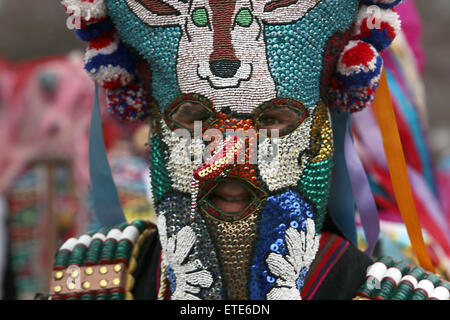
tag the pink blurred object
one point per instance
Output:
(45, 114)
(412, 27)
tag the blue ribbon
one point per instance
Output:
(341, 201)
(107, 207)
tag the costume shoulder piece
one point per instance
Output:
(100, 265)
(387, 279)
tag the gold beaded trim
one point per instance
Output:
(133, 263)
(162, 281)
(321, 135)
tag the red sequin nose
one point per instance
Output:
(235, 154)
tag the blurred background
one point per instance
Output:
(40, 191)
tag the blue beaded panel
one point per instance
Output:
(295, 51)
(281, 212)
(172, 279)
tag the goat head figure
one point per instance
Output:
(222, 51)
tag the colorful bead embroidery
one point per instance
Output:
(100, 265)
(175, 210)
(186, 277)
(156, 34)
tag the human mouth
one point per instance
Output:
(230, 205)
(230, 196)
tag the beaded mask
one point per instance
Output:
(231, 65)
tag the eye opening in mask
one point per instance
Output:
(283, 114)
(188, 108)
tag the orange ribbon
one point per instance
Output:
(384, 111)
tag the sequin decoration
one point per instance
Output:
(237, 55)
(289, 270)
(161, 182)
(287, 166)
(281, 213)
(235, 242)
(314, 183)
(217, 49)
(321, 148)
(176, 210)
(179, 164)
(188, 276)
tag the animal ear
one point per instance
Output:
(159, 12)
(283, 11)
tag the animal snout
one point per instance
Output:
(224, 68)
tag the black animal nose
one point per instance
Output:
(224, 68)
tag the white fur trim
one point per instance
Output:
(109, 49)
(111, 73)
(86, 10)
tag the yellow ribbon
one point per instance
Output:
(384, 111)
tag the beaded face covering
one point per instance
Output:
(237, 61)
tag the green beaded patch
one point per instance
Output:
(161, 182)
(314, 185)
